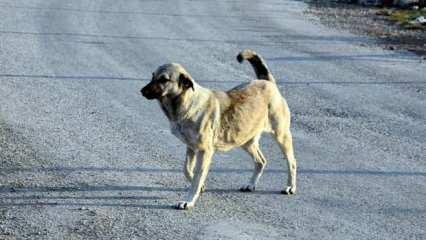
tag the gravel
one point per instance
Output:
(369, 21)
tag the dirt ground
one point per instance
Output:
(369, 21)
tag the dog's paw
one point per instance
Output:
(182, 205)
(248, 188)
(289, 191)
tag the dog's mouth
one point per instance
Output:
(149, 97)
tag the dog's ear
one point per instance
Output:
(186, 81)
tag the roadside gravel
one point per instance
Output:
(369, 21)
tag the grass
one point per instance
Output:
(404, 17)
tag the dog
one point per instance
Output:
(208, 121)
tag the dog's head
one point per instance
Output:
(169, 80)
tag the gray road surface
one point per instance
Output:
(83, 156)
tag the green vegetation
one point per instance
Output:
(407, 17)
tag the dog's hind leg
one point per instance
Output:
(252, 148)
(285, 141)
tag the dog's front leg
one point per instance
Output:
(202, 165)
(188, 169)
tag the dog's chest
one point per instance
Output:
(185, 134)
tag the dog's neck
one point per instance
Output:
(184, 106)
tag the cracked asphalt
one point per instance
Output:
(84, 156)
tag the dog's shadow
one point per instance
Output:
(131, 196)
(83, 196)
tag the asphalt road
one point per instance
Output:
(84, 156)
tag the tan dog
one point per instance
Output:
(208, 121)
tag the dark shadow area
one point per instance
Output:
(44, 189)
(261, 192)
(44, 195)
(53, 204)
(107, 169)
(85, 188)
(214, 170)
(282, 82)
(36, 197)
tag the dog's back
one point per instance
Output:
(246, 109)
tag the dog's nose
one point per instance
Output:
(143, 92)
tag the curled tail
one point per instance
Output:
(257, 62)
